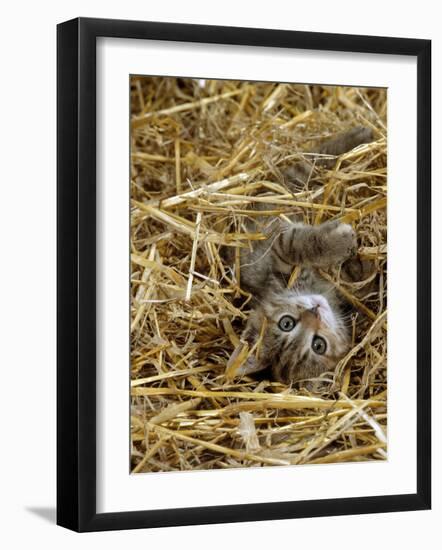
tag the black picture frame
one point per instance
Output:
(76, 274)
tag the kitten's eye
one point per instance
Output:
(319, 345)
(287, 323)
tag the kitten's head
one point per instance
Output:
(301, 337)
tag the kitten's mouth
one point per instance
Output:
(316, 310)
(320, 302)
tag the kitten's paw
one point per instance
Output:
(341, 242)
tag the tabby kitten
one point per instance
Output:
(298, 333)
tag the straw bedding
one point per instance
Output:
(203, 154)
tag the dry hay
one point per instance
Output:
(203, 154)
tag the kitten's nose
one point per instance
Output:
(310, 317)
(315, 311)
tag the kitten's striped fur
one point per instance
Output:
(312, 305)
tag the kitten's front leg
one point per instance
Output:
(327, 244)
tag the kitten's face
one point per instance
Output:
(302, 339)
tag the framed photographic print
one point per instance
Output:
(243, 274)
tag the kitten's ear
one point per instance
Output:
(242, 361)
